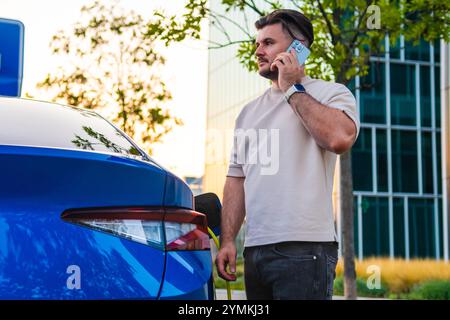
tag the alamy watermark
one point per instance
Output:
(374, 280)
(74, 280)
(374, 17)
(248, 147)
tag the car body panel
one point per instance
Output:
(39, 246)
(77, 178)
(177, 193)
(38, 252)
(187, 275)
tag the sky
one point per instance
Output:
(185, 74)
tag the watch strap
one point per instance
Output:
(291, 91)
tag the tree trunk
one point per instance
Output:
(347, 212)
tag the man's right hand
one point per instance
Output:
(226, 257)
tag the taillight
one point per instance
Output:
(169, 229)
(186, 230)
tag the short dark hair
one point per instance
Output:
(293, 21)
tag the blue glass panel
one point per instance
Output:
(404, 161)
(362, 161)
(403, 94)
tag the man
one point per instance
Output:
(290, 240)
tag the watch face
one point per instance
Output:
(299, 87)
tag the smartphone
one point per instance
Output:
(302, 51)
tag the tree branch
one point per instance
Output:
(295, 2)
(328, 22)
(253, 7)
(245, 19)
(358, 31)
(221, 28)
(223, 45)
(215, 15)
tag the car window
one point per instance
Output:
(35, 123)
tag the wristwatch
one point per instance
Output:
(295, 88)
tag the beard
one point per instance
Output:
(268, 74)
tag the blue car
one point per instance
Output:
(86, 214)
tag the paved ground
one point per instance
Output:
(221, 294)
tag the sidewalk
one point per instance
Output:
(221, 294)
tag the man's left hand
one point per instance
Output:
(290, 71)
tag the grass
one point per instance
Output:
(234, 285)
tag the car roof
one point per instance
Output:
(15, 102)
(33, 106)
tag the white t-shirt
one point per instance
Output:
(288, 177)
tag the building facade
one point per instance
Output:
(397, 158)
(399, 169)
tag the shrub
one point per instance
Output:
(361, 287)
(431, 290)
(338, 287)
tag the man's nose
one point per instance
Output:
(259, 52)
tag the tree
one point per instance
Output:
(347, 34)
(113, 67)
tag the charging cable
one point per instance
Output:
(217, 243)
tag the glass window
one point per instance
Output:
(373, 95)
(351, 85)
(421, 228)
(35, 123)
(437, 50)
(425, 96)
(355, 225)
(382, 173)
(399, 228)
(419, 51)
(437, 90)
(375, 220)
(427, 163)
(438, 162)
(362, 161)
(403, 95)
(404, 161)
(394, 49)
(440, 224)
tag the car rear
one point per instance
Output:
(86, 214)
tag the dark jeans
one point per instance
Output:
(290, 271)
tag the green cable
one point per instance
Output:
(216, 241)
